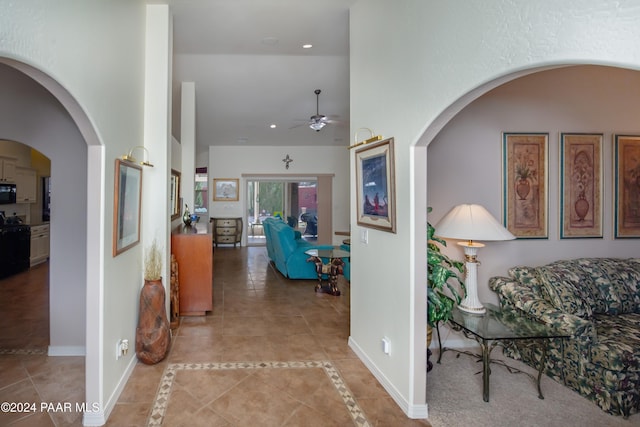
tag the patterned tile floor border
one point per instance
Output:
(164, 391)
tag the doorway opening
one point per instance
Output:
(293, 201)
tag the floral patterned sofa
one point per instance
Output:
(595, 300)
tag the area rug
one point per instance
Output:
(164, 394)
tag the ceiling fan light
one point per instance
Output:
(317, 125)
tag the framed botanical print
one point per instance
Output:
(626, 158)
(375, 186)
(524, 180)
(580, 185)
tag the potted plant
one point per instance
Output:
(445, 287)
(153, 334)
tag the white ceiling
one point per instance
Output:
(250, 70)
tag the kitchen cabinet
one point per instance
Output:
(25, 185)
(7, 169)
(39, 244)
(193, 249)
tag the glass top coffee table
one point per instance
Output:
(332, 267)
(497, 327)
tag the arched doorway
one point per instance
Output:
(556, 98)
(38, 110)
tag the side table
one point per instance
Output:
(497, 327)
(332, 268)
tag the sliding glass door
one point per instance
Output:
(293, 201)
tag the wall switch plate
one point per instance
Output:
(386, 345)
(364, 236)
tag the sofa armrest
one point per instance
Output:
(525, 300)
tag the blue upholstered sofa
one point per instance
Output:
(286, 249)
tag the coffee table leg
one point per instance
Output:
(486, 369)
(543, 360)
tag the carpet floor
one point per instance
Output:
(454, 396)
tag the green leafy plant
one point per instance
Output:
(153, 263)
(445, 288)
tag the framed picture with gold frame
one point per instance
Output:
(375, 186)
(225, 189)
(580, 185)
(126, 206)
(626, 159)
(524, 181)
(175, 194)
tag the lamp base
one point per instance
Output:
(472, 310)
(471, 303)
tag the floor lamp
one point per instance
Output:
(470, 223)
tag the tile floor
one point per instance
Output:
(214, 374)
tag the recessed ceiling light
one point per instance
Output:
(307, 46)
(273, 126)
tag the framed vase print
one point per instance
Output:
(580, 185)
(626, 158)
(126, 206)
(524, 181)
(375, 186)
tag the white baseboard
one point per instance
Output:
(100, 418)
(411, 410)
(67, 350)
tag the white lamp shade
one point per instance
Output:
(471, 222)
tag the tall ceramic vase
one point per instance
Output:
(153, 335)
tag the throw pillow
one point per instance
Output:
(559, 285)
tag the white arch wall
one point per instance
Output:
(410, 62)
(96, 69)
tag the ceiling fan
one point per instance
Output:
(317, 121)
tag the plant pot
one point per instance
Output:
(153, 335)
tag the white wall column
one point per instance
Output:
(156, 218)
(188, 141)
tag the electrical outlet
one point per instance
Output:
(122, 348)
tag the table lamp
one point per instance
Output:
(470, 223)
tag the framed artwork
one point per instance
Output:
(580, 185)
(175, 194)
(375, 186)
(626, 158)
(524, 180)
(126, 206)
(225, 189)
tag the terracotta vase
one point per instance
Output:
(153, 335)
(522, 189)
(582, 208)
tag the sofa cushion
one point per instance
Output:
(618, 346)
(617, 281)
(561, 285)
(527, 276)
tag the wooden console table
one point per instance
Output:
(192, 248)
(227, 230)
